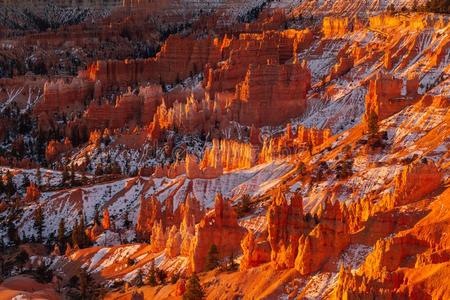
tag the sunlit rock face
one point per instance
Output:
(308, 142)
(414, 182)
(272, 87)
(388, 95)
(285, 226)
(219, 228)
(326, 240)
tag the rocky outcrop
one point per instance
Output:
(254, 49)
(335, 27)
(220, 228)
(55, 148)
(158, 237)
(271, 87)
(65, 96)
(343, 66)
(415, 181)
(228, 155)
(179, 58)
(95, 231)
(379, 276)
(312, 136)
(327, 240)
(191, 213)
(289, 143)
(129, 109)
(389, 254)
(388, 95)
(173, 244)
(106, 221)
(32, 193)
(285, 225)
(194, 116)
(149, 214)
(224, 155)
(256, 251)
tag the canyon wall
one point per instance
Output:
(65, 95)
(268, 88)
(179, 58)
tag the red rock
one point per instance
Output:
(106, 222)
(56, 251)
(179, 58)
(219, 228)
(68, 250)
(343, 66)
(158, 237)
(388, 95)
(181, 287)
(285, 226)
(327, 240)
(33, 193)
(335, 27)
(95, 231)
(149, 214)
(414, 182)
(255, 251)
(173, 244)
(258, 49)
(267, 88)
(63, 96)
(54, 148)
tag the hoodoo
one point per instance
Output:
(238, 149)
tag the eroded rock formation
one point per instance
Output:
(285, 226)
(256, 251)
(65, 96)
(326, 240)
(268, 88)
(414, 182)
(149, 214)
(388, 95)
(220, 228)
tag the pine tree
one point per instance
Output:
(62, 234)
(25, 181)
(138, 279)
(38, 176)
(194, 290)
(84, 283)
(39, 222)
(232, 266)
(22, 258)
(2, 185)
(24, 238)
(372, 124)
(84, 179)
(244, 206)
(96, 216)
(13, 235)
(9, 188)
(99, 170)
(212, 260)
(126, 221)
(162, 275)
(152, 275)
(75, 234)
(83, 240)
(65, 175)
